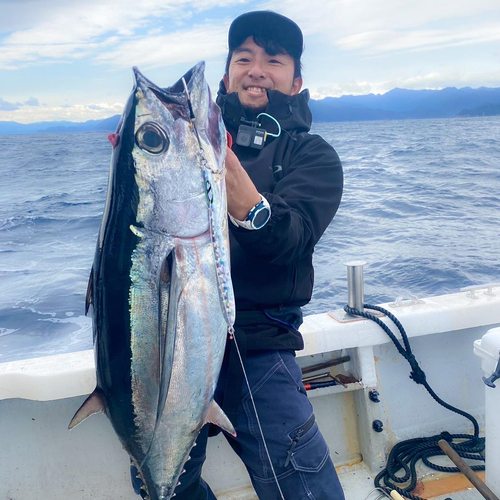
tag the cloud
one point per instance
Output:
(390, 26)
(16, 56)
(55, 30)
(82, 27)
(75, 112)
(386, 41)
(353, 88)
(32, 101)
(200, 42)
(338, 18)
(442, 79)
(8, 106)
(352, 47)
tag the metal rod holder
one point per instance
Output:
(355, 284)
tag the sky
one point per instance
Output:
(72, 60)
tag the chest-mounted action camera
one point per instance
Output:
(253, 135)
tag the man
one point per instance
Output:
(283, 187)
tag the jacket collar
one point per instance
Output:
(292, 112)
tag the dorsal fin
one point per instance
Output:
(93, 404)
(216, 416)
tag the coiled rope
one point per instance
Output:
(402, 460)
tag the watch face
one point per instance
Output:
(261, 217)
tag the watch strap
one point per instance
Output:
(248, 223)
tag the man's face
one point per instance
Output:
(252, 71)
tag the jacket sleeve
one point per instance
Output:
(303, 204)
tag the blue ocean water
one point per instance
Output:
(421, 206)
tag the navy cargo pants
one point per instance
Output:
(298, 451)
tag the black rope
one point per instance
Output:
(402, 460)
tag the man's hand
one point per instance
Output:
(242, 195)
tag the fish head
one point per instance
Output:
(178, 133)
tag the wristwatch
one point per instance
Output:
(257, 217)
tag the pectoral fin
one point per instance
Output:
(216, 416)
(166, 337)
(93, 404)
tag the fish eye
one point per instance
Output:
(152, 139)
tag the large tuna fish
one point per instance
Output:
(160, 285)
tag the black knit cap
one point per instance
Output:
(270, 26)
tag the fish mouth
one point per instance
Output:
(175, 94)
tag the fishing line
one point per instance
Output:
(231, 328)
(233, 337)
(191, 112)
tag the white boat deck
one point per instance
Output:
(358, 485)
(39, 396)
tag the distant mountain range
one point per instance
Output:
(106, 125)
(397, 104)
(483, 110)
(400, 104)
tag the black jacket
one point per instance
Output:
(300, 175)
